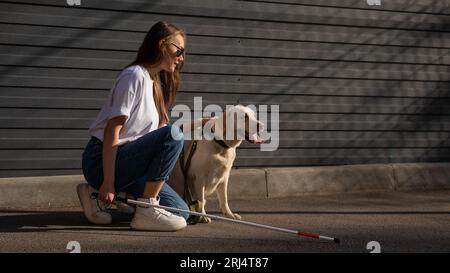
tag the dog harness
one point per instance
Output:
(194, 205)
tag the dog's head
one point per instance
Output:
(239, 123)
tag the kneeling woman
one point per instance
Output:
(133, 149)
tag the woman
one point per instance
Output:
(133, 149)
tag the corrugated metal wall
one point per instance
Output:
(355, 83)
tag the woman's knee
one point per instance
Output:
(175, 136)
(175, 132)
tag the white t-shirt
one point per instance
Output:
(131, 96)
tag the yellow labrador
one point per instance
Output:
(210, 164)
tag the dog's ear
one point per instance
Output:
(230, 118)
(230, 113)
(220, 124)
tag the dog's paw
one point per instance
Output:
(233, 216)
(204, 219)
(198, 219)
(237, 216)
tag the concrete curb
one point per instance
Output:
(424, 176)
(27, 193)
(321, 180)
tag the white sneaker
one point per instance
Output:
(92, 208)
(155, 219)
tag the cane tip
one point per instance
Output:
(337, 240)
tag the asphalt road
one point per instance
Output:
(398, 221)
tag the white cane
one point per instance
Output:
(297, 232)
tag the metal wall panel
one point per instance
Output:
(355, 83)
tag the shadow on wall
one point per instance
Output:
(41, 53)
(432, 113)
(80, 33)
(421, 119)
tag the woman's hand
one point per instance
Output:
(196, 123)
(205, 120)
(106, 193)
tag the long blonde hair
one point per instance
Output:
(152, 51)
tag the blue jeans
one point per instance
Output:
(149, 158)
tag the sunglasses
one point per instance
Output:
(180, 51)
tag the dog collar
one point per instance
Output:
(222, 143)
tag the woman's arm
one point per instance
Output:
(110, 143)
(189, 126)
